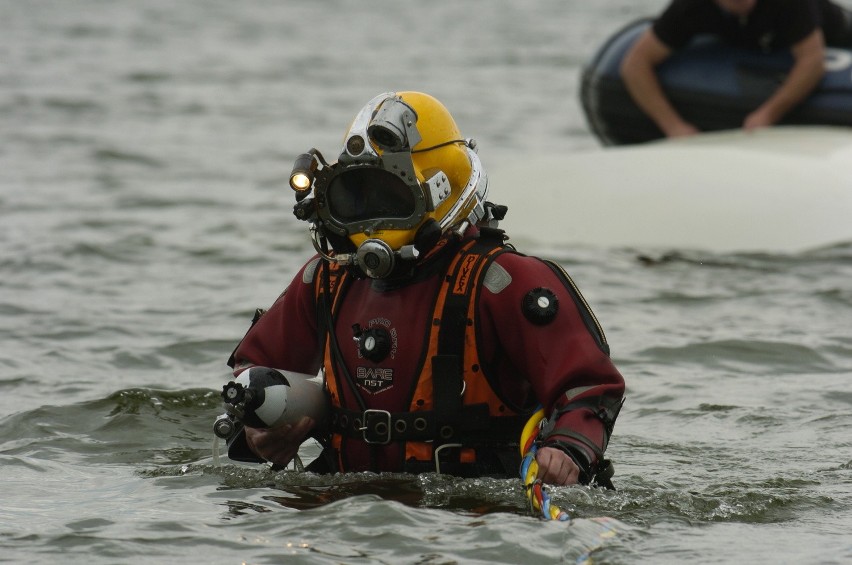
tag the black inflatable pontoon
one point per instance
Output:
(711, 84)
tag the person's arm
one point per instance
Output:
(808, 69)
(562, 354)
(639, 72)
(284, 337)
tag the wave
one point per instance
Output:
(131, 426)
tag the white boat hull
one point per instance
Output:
(781, 189)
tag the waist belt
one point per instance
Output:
(473, 424)
(493, 461)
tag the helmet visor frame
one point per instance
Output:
(367, 198)
(369, 194)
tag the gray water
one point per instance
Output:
(144, 149)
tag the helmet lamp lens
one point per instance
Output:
(302, 175)
(300, 182)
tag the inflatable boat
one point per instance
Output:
(781, 190)
(711, 84)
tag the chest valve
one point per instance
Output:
(373, 344)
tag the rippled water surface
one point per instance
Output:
(144, 148)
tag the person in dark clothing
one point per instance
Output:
(805, 27)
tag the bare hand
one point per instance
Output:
(279, 445)
(757, 119)
(681, 129)
(556, 467)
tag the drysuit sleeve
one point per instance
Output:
(543, 332)
(285, 336)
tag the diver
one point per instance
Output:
(434, 339)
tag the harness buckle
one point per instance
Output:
(437, 454)
(377, 426)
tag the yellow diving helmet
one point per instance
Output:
(403, 179)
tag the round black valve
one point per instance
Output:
(540, 306)
(233, 393)
(374, 343)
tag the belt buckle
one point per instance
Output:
(377, 432)
(437, 454)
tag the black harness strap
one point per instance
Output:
(448, 363)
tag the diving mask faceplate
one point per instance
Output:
(374, 201)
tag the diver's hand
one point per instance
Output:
(556, 467)
(279, 445)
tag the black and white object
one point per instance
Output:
(261, 397)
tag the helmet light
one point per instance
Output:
(302, 175)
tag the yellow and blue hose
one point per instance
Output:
(536, 492)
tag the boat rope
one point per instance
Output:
(535, 490)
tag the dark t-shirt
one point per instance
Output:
(772, 25)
